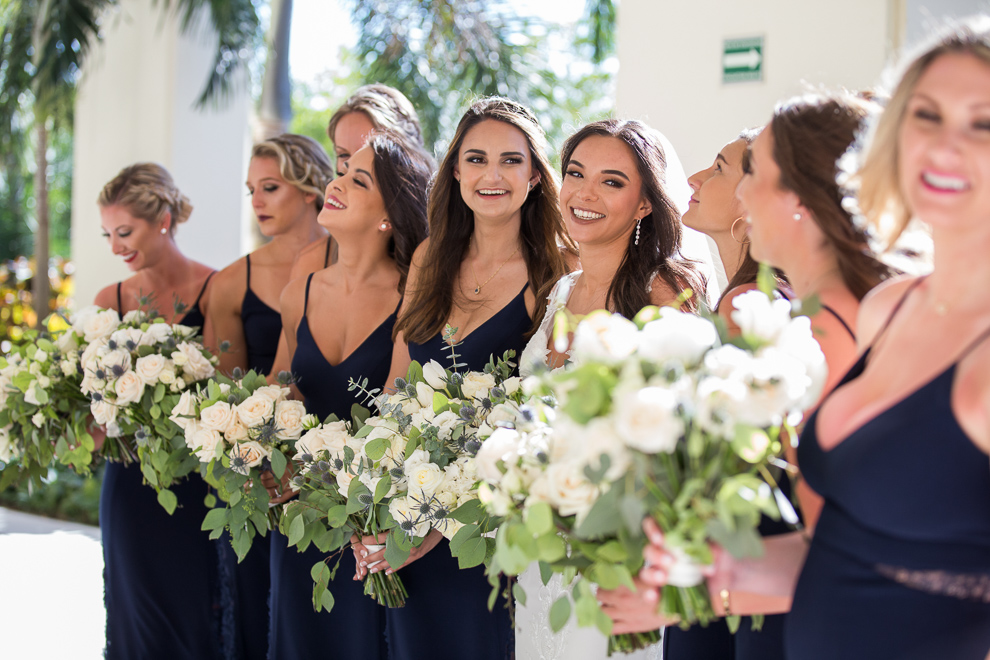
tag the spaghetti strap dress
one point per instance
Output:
(355, 628)
(161, 585)
(446, 616)
(715, 642)
(899, 565)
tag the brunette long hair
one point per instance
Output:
(658, 252)
(810, 133)
(403, 171)
(541, 231)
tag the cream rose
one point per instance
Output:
(424, 478)
(191, 359)
(255, 410)
(289, 419)
(150, 367)
(135, 316)
(246, 455)
(501, 447)
(565, 487)
(477, 385)
(128, 388)
(156, 333)
(274, 393)
(126, 336)
(103, 411)
(410, 521)
(217, 417)
(647, 420)
(99, 325)
(205, 442)
(91, 354)
(183, 410)
(235, 431)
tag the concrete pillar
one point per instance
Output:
(135, 103)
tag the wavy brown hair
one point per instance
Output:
(659, 249)
(810, 133)
(541, 230)
(402, 171)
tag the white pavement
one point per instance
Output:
(51, 589)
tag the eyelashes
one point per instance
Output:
(747, 164)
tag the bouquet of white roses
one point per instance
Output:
(663, 416)
(239, 429)
(134, 375)
(43, 414)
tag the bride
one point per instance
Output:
(617, 209)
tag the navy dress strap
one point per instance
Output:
(841, 320)
(262, 328)
(202, 289)
(309, 280)
(247, 258)
(326, 256)
(120, 306)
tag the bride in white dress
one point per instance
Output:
(626, 222)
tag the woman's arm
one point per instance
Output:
(400, 349)
(227, 290)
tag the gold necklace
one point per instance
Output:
(478, 287)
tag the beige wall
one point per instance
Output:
(670, 52)
(135, 103)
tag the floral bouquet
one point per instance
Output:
(135, 375)
(239, 429)
(43, 413)
(663, 416)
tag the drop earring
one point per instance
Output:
(638, 223)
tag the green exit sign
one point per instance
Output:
(742, 59)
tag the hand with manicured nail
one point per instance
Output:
(633, 611)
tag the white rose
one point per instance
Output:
(103, 411)
(566, 488)
(38, 419)
(167, 376)
(44, 382)
(186, 405)
(255, 410)
(126, 338)
(676, 336)
(647, 420)
(33, 394)
(435, 375)
(417, 457)
(289, 419)
(150, 367)
(411, 522)
(99, 325)
(135, 317)
(128, 388)
(477, 385)
(273, 393)
(119, 359)
(68, 366)
(7, 449)
(344, 479)
(759, 317)
(512, 385)
(217, 417)
(445, 422)
(156, 333)
(191, 359)
(424, 478)
(235, 431)
(605, 337)
(601, 439)
(67, 342)
(502, 446)
(246, 455)
(40, 355)
(494, 499)
(205, 442)
(91, 354)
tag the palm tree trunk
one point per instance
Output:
(275, 111)
(40, 284)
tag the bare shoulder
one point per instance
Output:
(107, 297)
(231, 279)
(312, 258)
(419, 256)
(725, 306)
(571, 258)
(878, 305)
(293, 298)
(661, 293)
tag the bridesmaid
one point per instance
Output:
(628, 232)
(492, 257)
(286, 179)
(161, 584)
(377, 212)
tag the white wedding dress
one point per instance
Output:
(535, 639)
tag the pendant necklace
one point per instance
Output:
(478, 287)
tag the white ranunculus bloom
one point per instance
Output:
(99, 325)
(647, 420)
(605, 337)
(250, 453)
(435, 375)
(150, 367)
(103, 411)
(255, 410)
(192, 361)
(503, 445)
(424, 478)
(67, 342)
(288, 419)
(760, 317)
(156, 333)
(218, 416)
(476, 385)
(186, 405)
(676, 336)
(129, 388)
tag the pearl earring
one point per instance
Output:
(638, 223)
(383, 226)
(164, 231)
(797, 217)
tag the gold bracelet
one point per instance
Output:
(724, 594)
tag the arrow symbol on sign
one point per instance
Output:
(749, 59)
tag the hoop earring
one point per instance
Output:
(638, 223)
(732, 232)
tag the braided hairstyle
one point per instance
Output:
(146, 191)
(302, 162)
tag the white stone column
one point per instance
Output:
(136, 103)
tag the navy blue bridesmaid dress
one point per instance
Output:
(355, 628)
(161, 585)
(446, 616)
(899, 566)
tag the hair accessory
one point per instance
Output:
(796, 216)
(164, 230)
(732, 232)
(638, 223)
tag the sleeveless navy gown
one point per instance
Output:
(446, 616)
(715, 642)
(161, 585)
(355, 628)
(899, 566)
